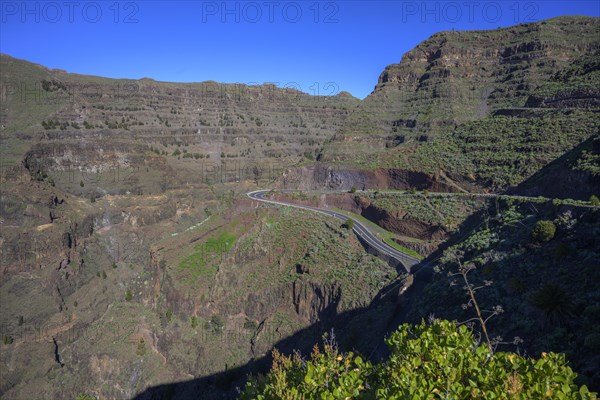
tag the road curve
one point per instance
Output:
(361, 230)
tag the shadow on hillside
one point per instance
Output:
(362, 330)
(558, 180)
(223, 385)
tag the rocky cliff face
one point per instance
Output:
(321, 177)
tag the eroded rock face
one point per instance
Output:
(311, 301)
(399, 221)
(323, 177)
(315, 301)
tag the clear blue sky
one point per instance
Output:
(305, 44)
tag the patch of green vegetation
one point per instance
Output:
(403, 249)
(202, 261)
(85, 397)
(141, 348)
(440, 153)
(303, 245)
(589, 159)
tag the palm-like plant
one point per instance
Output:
(555, 302)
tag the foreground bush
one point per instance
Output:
(438, 361)
(543, 231)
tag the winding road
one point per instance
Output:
(360, 229)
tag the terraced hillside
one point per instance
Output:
(488, 108)
(60, 121)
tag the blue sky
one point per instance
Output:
(319, 47)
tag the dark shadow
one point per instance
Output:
(559, 180)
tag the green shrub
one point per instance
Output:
(353, 189)
(141, 348)
(328, 375)
(594, 200)
(435, 361)
(216, 324)
(250, 325)
(349, 224)
(128, 295)
(543, 231)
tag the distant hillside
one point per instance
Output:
(86, 116)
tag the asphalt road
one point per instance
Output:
(361, 230)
